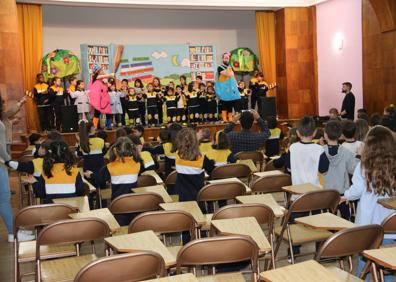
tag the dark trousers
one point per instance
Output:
(58, 114)
(142, 111)
(45, 116)
(172, 114)
(193, 114)
(152, 114)
(212, 110)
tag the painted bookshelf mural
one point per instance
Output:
(167, 62)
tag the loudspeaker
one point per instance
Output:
(69, 118)
(267, 107)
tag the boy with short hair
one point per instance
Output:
(342, 163)
(348, 131)
(306, 157)
(333, 113)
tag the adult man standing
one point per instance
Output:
(246, 140)
(348, 104)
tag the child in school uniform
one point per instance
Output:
(147, 159)
(43, 102)
(123, 99)
(190, 165)
(284, 160)
(220, 152)
(60, 175)
(171, 101)
(342, 163)
(138, 131)
(212, 104)
(116, 105)
(152, 107)
(348, 132)
(245, 93)
(133, 107)
(92, 150)
(272, 145)
(192, 104)
(80, 96)
(57, 96)
(139, 89)
(374, 179)
(205, 144)
(158, 89)
(34, 142)
(203, 102)
(181, 105)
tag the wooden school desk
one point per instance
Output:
(103, 214)
(187, 277)
(307, 271)
(231, 180)
(155, 175)
(81, 203)
(385, 257)
(389, 203)
(300, 189)
(141, 241)
(243, 226)
(249, 163)
(157, 189)
(266, 199)
(190, 206)
(325, 221)
(267, 173)
(225, 277)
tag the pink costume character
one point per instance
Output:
(99, 98)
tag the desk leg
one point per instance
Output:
(374, 272)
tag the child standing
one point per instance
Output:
(116, 106)
(139, 89)
(43, 102)
(57, 94)
(272, 146)
(192, 104)
(212, 104)
(259, 89)
(152, 105)
(80, 96)
(245, 93)
(190, 165)
(349, 131)
(133, 107)
(171, 101)
(181, 105)
(157, 88)
(203, 103)
(374, 178)
(342, 163)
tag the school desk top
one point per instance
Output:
(301, 188)
(224, 277)
(266, 199)
(243, 226)
(249, 163)
(325, 221)
(190, 206)
(104, 214)
(231, 180)
(155, 175)
(389, 203)
(385, 257)
(307, 271)
(268, 173)
(157, 189)
(187, 277)
(141, 241)
(81, 202)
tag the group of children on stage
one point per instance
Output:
(152, 104)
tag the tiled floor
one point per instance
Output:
(6, 249)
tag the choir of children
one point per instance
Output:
(135, 103)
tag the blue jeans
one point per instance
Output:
(362, 262)
(5, 200)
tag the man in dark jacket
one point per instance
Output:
(348, 104)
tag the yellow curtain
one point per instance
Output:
(30, 34)
(265, 30)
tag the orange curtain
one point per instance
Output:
(31, 38)
(265, 33)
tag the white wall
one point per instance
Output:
(66, 27)
(343, 17)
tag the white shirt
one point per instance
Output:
(368, 210)
(353, 146)
(304, 163)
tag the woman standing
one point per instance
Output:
(99, 97)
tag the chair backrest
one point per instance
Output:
(255, 156)
(218, 250)
(146, 180)
(171, 179)
(325, 199)
(271, 183)
(351, 241)
(269, 166)
(164, 222)
(221, 191)
(72, 231)
(40, 215)
(129, 267)
(135, 202)
(231, 170)
(389, 224)
(262, 213)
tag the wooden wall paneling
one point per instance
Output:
(386, 15)
(379, 60)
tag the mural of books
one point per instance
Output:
(92, 54)
(202, 62)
